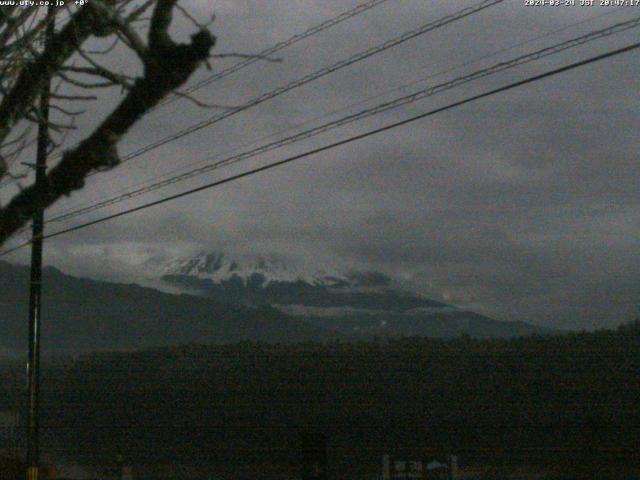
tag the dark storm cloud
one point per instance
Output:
(522, 206)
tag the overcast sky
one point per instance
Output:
(522, 206)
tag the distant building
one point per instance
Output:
(399, 468)
(437, 471)
(73, 472)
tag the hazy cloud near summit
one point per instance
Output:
(523, 205)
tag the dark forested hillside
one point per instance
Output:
(82, 315)
(569, 402)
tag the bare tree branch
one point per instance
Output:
(60, 96)
(70, 113)
(167, 65)
(107, 50)
(200, 103)
(124, 29)
(33, 76)
(86, 85)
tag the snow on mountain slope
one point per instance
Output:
(356, 304)
(273, 280)
(219, 266)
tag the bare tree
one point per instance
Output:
(26, 66)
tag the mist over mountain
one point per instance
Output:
(230, 299)
(82, 315)
(359, 304)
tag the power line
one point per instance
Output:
(398, 102)
(465, 12)
(363, 7)
(170, 174)
(330, 146)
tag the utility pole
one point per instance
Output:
(35, 292)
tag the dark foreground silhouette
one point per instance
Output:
(566, 406)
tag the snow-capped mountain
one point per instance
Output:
(89, 315)
(360, 304)
(262, 269)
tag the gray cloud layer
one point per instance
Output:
(523, 206)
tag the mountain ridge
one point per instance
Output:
(359, 304)
(82, 315)
(266, 268)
